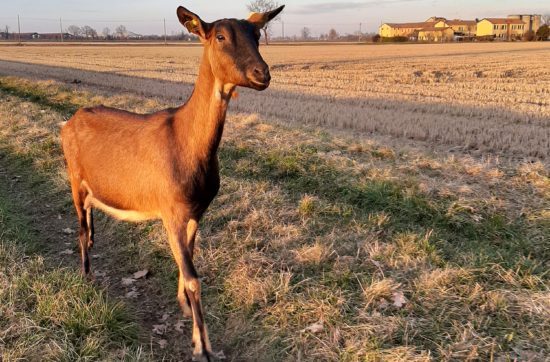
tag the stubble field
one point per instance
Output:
(378, 203)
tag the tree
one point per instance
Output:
(263, 6)
(121, 31)
(545, 19)
(332, 35)
(74, 30)
(306, 33)
(89, 32)
(544, 32)
(106, 33)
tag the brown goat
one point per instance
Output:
(164, 165)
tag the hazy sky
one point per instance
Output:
(145, 16)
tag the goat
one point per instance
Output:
(164, 165)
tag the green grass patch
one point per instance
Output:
(52, 314)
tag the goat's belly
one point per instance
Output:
(125, 215)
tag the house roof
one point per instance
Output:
(460, 22)
(435, 29)
(504, 21)
(410, 25)
(436, 18)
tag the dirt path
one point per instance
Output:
(163, 332)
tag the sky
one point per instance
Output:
(146, 16)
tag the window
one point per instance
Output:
(495, 27)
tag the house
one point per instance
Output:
(532, 21)
(437, 28)
(391, 30)
(52, 36)
(501, 28)
(465, 28)
(436, 34)
(134, 36)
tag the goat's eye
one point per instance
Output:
(220, 37)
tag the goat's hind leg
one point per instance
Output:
(84, 234)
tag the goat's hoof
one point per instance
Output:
(203, 357)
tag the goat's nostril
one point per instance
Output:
(258, 72)
(262, 74)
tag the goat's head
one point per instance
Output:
(232, 47)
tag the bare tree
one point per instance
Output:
(263, 6)
(332, 35)
(306, 33)
(6, 34)
(89, 32)
(545, 19)
(106, 33)
(121, 31)
(74, 30)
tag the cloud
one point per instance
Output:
(329, 7)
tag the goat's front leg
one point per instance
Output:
(181, 238)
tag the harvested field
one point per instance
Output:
(378, 203)
(468, 97)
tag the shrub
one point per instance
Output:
(395, 39)
(529, 36)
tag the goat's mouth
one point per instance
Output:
(255, 84)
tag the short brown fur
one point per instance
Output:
(164, 165)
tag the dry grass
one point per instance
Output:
(324, 248)
(480, 98)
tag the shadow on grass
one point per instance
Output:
(347, 112)
(47, 304)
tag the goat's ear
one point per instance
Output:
(260, 19)
(193, 23)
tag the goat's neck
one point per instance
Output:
(201, 120)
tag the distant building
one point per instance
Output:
(51, 36)
(436, 34)
(134, 36)
(437, 28)
(392, 30)
(501, 28)
(467, 28)
(532, 21)
(435, 19)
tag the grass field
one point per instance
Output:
(378, 203)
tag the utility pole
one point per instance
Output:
(360, 31)
(165, 31)
(61, 29)
(283, 25)
(19, 29)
